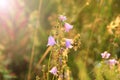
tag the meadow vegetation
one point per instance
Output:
(60, 40)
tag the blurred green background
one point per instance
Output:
(90, 18)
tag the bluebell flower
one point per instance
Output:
(53, 70)
(62, 18)
(68, 43)
(105, 55)
(67, 27)
(51, 41)
(112, 62)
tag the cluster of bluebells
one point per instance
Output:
(106, 55)
(68, 43)
(67, 27)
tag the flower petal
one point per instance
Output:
(68, 43)
(51, 41)
(68, 27)
(53, 70)
(62, 18)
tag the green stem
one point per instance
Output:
(53, 78)
(48, 65)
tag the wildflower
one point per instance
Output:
(67, 27)
(112, 62)
(114, 26)
(105, 55)
(53, 70)
(62, 18)
(68, 43)
(51, 41)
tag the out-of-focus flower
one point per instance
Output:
(62, 18)
(112, 62)
(51, 41)
(68, 43)
(67, 27)
(114, 26)
(53, 70)
(105, 55)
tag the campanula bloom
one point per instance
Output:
(51, 41)
(105, 55)
(68, 43)
(62, 18)
(67, 27)
(112, 62)
(53, 70)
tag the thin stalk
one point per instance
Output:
(32, 57)
(48, 65)
(33, 47)
(44, 55)
(53, 78)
